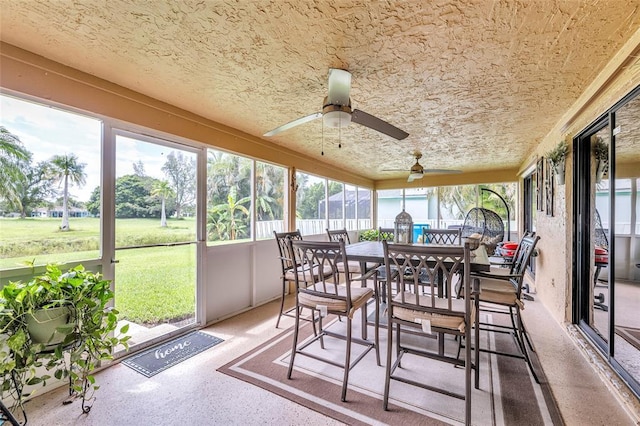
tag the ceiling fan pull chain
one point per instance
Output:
(322, 149)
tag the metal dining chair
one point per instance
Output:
(505, 290)
(328, 295)
(441, 236)
(355, 267)
(412, 311)
(289, 267)
(386, 234)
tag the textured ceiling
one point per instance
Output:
(477, 84)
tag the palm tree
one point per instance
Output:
(162, 189)
(228, 212)
(269, 191)
(67, 170)
(12, 156)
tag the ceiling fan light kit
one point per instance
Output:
(417, 171)
(337, 112)
(336, 116)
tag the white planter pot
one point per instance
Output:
(42, 325)
(558, 172)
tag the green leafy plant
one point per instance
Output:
(369, 235)
(87, 335)
(600, 149)
(558, 155)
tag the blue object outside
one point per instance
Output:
(417, 232)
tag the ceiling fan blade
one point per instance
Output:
(442, 171)
(375, 123)
(293, 123)
(339, 87)
(414, 176)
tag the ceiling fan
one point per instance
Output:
(337, 112)
(418, 172)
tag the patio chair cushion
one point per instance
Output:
(354, 266)
(437, 320)
(359, 296)
(305, 274)
(499, 291)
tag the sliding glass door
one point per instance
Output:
(607, 243)
(155, 236)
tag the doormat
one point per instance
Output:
(160, 357)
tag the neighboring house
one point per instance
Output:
(40, 212)
(73, 212)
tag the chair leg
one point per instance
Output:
(347, 362)
(321, 330)
(526, 337)
(398, 344)
(516, 334)
(467, 373)
(295, 342)
(363, 327)
(281, 304)
(377, 328)
(525, 352)
(476, 355)
(387, 378)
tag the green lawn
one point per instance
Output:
(23, 240)
(154, 284)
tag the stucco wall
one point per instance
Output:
(554, 264)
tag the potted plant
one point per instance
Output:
(75, 303)
(600, 152)
(557, 157)
(369, 235)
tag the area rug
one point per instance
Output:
(160, 357)
(508, 394)
(630, 334)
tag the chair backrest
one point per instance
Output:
(335, 235)
(600, 236)
(322, 256)
(521, 260)
(415, 263)
(286, 256)
(527, 234)
(386, 234)
(441, 236)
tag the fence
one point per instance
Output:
(264, 229)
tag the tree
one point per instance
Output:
(181, 172)
(66, 169)
(226, 219)
(458, 200)
(133, 196)
(93, 205)
(163, 190)
(138, 168)
(11, 153)
(269, 192)
(310, 197)
(31, 188)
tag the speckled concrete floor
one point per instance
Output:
(194, 393)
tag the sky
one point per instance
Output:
(47, 131)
